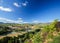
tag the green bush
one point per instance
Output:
(37, 38)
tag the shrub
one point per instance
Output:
(37, 38)
(56, 39)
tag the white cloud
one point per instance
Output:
(19, 18)
(35, 21)
(25, 22)
(16, 4)
(5, 20)
(25, 3)
(19, 21)
(5, 9)
(21, 4)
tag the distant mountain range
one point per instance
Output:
(1, 22)
(25, 23)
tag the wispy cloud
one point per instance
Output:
(25, 3)
(25, 22)
(20, 4)
(36, 21)
(5, 9)
(16, 4)
(5, 20)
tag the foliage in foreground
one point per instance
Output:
(36, 36)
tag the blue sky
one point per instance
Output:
(29, 11)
